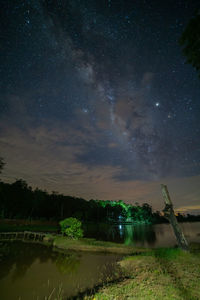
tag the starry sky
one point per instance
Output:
(96, 99)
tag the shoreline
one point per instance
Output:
(144, 273)
(64, 243)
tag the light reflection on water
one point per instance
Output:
(32, 271)
(159, 235)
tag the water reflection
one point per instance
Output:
(20, 258)
(127, 234)
(34, 270)
(159, 235)
(142, 234)
(67, 263)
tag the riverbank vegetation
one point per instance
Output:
(20, 201)
(164, 273)
(71, 227)
(152, 274)
(93, 245)
(157, 274)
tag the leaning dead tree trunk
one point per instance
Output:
(170, 216)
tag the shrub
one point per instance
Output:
(71, 227)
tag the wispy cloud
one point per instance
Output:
(188, 208)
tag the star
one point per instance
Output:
(169, 116)
(88, 74)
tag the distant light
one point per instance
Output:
(157, 104)
(120, 226)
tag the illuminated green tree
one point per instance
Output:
(71, 227)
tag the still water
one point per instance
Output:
(151, 236)
(34, 271)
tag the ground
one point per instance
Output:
(167, 274)
(93, 245)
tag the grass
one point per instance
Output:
(94, 246)
(164, 273)
(168, 274)
(84, 244)
(55, 295)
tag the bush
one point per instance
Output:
(71, 227)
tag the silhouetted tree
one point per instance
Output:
(191, 42)
(1, 164)
(18, 200)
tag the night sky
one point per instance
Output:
(97, 101)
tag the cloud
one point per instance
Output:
(83, 120)
(40, 156)
(188, 208)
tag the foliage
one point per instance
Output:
(191, 42)
(71, 227)
(87, 244)
(1, 164)
(20, 201)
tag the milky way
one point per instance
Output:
(96, 96)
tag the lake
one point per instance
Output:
(151, 236)
(33, 271)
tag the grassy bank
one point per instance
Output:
(94, 246)
(168, 274)
(61, 242)
(84, 244)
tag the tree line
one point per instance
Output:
(18, 200)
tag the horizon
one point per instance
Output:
(97, 100)
(183, 210)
